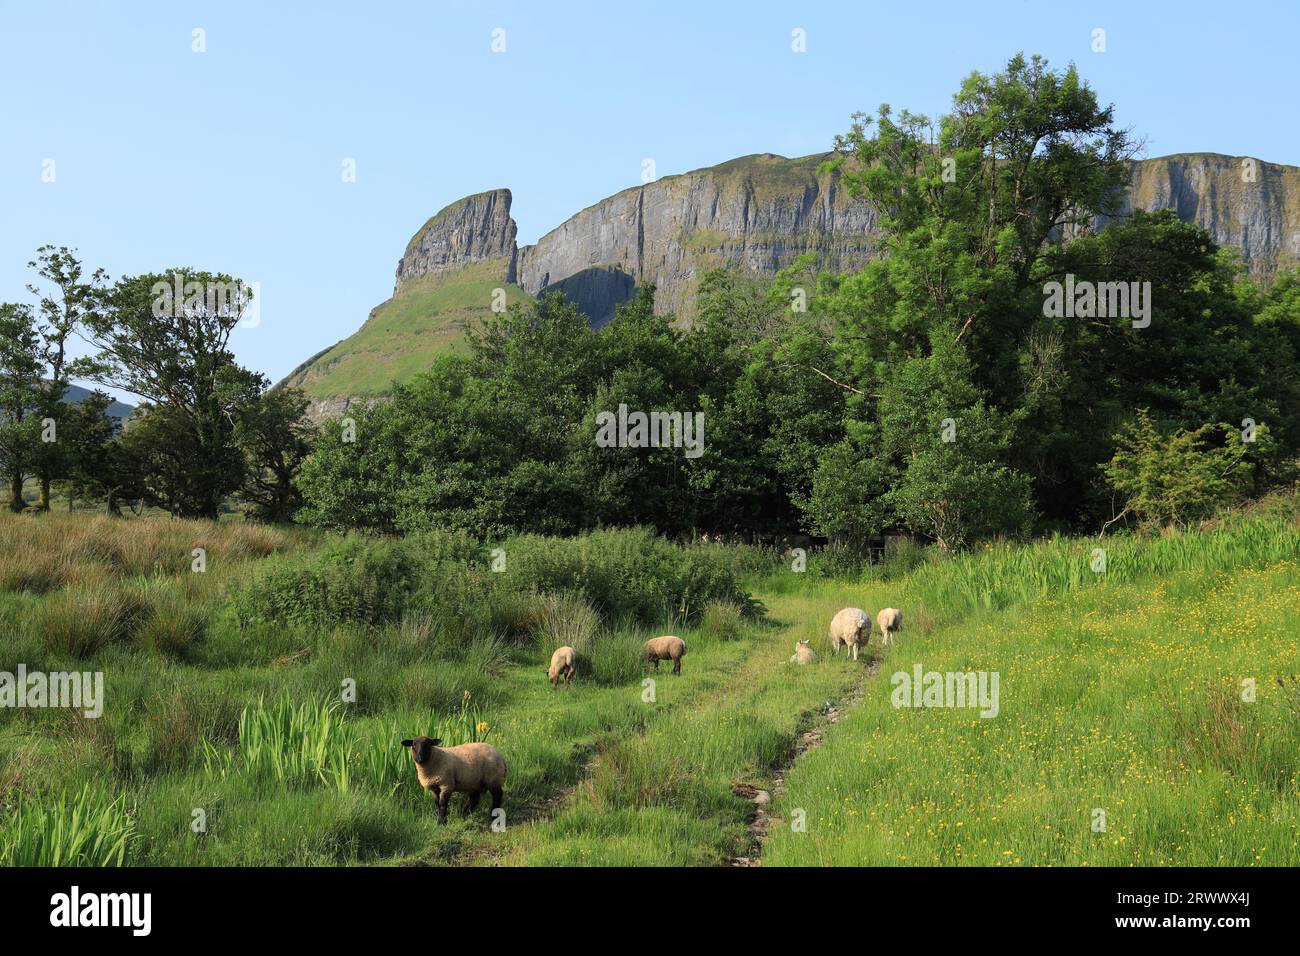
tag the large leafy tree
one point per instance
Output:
(165, 337)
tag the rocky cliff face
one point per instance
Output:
(756, 213)
(1244, 203)
(760, 213)
(473, 229)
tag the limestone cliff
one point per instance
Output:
(756, 213)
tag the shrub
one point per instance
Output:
(353, 580)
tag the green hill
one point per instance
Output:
(427, 317)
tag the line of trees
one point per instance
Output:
(207, 429)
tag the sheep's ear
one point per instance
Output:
(407, 743)
(437, 741)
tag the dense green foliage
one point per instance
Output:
(465, 588)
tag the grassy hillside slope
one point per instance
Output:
(402, 336)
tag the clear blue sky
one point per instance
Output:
(230, 160)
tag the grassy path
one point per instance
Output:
(679, 792)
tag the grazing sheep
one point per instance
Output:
(666, 648)
(890, 620)
(564, 664)
(803, 653)
(468, 769)
(851, 627)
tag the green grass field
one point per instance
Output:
(227, 743)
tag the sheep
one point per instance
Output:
(890, 620)
(851, 627)
(666, 648)
(564, 664)
(468, 769)
(803, 653)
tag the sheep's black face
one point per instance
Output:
(421, 748)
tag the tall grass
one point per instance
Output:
(1004, 575)
(314, 743)
(86, 827)
(291, 744)
(41, 553)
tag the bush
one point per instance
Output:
(626, 574)
(353, 580)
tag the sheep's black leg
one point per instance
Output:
(444, 798)
(677, 666)
(496, 799)
(471, 801)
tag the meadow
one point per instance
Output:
(253, 708)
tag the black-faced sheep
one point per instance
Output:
(468, 769)
(564, 664)
(852, 628)
(666, 648)
(890, 620)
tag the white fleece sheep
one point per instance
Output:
(666, 648)
(890, 620)
(468, 769)
(852, 628)
(564, 664)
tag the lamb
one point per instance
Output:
(666, 648)
(890, 620)
(852, 628)
(803, 653)
(468, 769)
(564, 664)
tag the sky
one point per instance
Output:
(233, 159)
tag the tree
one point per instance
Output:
(20, 397)
(165, 338)
(276, 439)
(88, 435)
(62, 309)
(1182, 477)
(956, 484)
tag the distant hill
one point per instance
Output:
(756, 214)
(119, 410)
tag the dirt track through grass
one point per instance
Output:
(680, 790)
